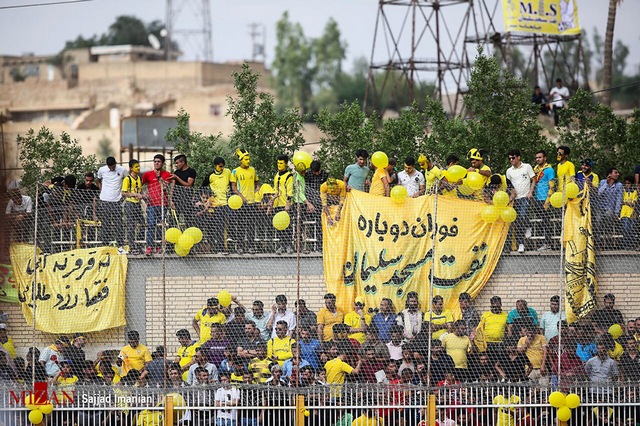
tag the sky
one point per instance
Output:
(44, 29)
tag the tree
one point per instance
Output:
(200, 149)
(43, 156)
(127, 30)
(608, 50)
(258, 127)
(104, 148)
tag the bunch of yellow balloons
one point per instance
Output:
(38, 410)
(557, 200)
(499, 209)
(183, 241)
(564, 404)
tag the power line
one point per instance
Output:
(19, 6)
(633, 83)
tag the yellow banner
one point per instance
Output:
(75, 291)
(580, 259)
(379, 249)
(557, 17)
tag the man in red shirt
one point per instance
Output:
(157, 186)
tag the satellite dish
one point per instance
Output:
(154, 42)
(164, 32)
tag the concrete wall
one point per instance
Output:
(189, 282)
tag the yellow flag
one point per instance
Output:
(74, 291)
(381, 250)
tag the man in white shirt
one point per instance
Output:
(558, 95)
(411, 179)
(18, 212)
(522, 179)
(110, 210)
(550, 319)
(279, 312)
(226, 397)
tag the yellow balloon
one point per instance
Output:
(557, 399)
(194, 233)
(180, 250)
(499, 400)
(398, 194)
(457, 172)
(572, 190)
(281, 220)
(445, 175)
(46, 408)
(172, 235)
(234, 202)
(500, 199)
(564, 413)
(380, 159)
(556, 200)
(490, 214)
(301, 160)
(30, 402)
(224, 297)
(573, 401)
(186, 241)
(35, 416)
(615, 331)
(508, 214)
(475, 180)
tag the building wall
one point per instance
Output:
(190, 281)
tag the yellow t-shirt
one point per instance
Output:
(134, 185)
(134, 358)
(66, 381)
(219, 184)
(494, 326)
(186, 353)
(283, 185)
(260, 369)
(10, 347)
(628, 197)
(534, 351)
(206, 320)
(328, 319)
(430, 176)
(245, 180)
(363, 420)
(353, 319)
(280, 349)
(443, 318)
(332, 195)
(566, 173)
(377, 187)
(457, 348)
(337, 371)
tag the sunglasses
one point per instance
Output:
(512, 157)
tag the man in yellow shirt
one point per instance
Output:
(186, 352)
(219, 182)
(135, 355)
(283, 185)
(431, 172)
(457, 345)
(6, 341)
(337, 369)
(206, 317)
(534, 345)
(566, 171)
(132, 191)
(493, 325)
(279, 347)
(332, 193)
(245, 184)
(358, 321)
(439, 319)
(327, 317)
(476, 157)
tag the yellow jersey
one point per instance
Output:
(493, 326)
(353, 319)
(565, 173)
(245, 180)
(186, 353)
(206, 320)
(442, 318)
(629, 201)
(133, 185)
(219, 184)
(134, 358)
(280, 349)
(283, 185)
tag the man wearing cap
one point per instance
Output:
(245, 184)
(186, 351)
(329, 315)
(132, 191)
(332, 193)
(6, 341)
(51, 356)
(135, 355)
(206, 317)
(411, 317)
(74, 353)
(358, 320)
(586, 175)
(156, 181)
(476, 157)
(109, 181)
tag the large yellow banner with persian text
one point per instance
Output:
(73, 291)
(381, 249)
(558, 17)
(580, 259)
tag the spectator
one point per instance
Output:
(566, 170)
(540, 99)
(630, 361)
(380, 182)
(604, 318)
(156, 370)
(373, 342)
(627, 214)
(440, 320)
(522, 310)
(328, 316)
(411, 317)
(332, 193)
(279, 312)
(283, 185)
(135, 355)
(88, 184)
(492, 326)
(186, 352)
(544, 179)
(156, 181)
(74, 353)
(245, 184)
(601, 369)
(457, 345)
(522, 178)
(110, 179)
(235, 328)
(260, 365)
(549, 320)
(441, 363)
(431, 172)
(468, 313)
(132, 191)
(279, 348)
(587, 176)
(6, 341)
(226, 397)
(315, 178)
(357, 320)
(215, 347)
(395, 344)
(609, 202)
(558, 96)
(309, 347)
(337, 369)
(534, 345)
(219, 181)
(513, 365)
(476, 157)
(306, 317)
(206, 317)
(291, 367)
(355, 175)
(412, 179)
(51, 356)
(200, 361)
(260, 319)
(247, 347)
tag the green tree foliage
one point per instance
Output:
(200, 149)
(258, 127)
(597, 132)
(104, 149)
(44, 156)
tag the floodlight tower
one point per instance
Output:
(180, 27)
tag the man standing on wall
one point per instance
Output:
(156, 181)
(110, 210)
